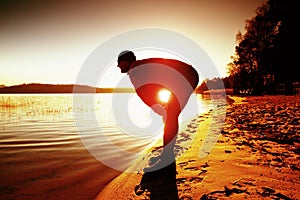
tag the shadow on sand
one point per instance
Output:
(159, 184)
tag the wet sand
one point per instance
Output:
(255, 157)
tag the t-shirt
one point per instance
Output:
(149, 76)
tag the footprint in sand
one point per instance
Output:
(246, 187)
(185, 137)
(196, 174)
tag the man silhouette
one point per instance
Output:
(174, 80)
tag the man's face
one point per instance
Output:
(124, 66)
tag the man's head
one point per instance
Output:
(125, 59)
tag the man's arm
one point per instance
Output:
(149, 95)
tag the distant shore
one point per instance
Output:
(35, 88)
(39, 88)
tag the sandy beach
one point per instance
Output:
(256, 157)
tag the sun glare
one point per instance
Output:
(164, 95)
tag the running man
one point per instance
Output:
(165, 85)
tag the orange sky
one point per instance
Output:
(48, 41)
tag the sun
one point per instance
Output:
(164, 95)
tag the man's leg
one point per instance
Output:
(173, 110)
(170, 134)
(171, 126)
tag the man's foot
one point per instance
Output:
(160, 161)
(154, 160)
(161, 167)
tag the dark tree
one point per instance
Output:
(260, 59)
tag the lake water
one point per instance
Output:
(72, 146)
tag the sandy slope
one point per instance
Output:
(256, 156)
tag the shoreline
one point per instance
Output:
(250, 160)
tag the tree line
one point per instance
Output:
(261, 62)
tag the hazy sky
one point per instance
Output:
(48, 41)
